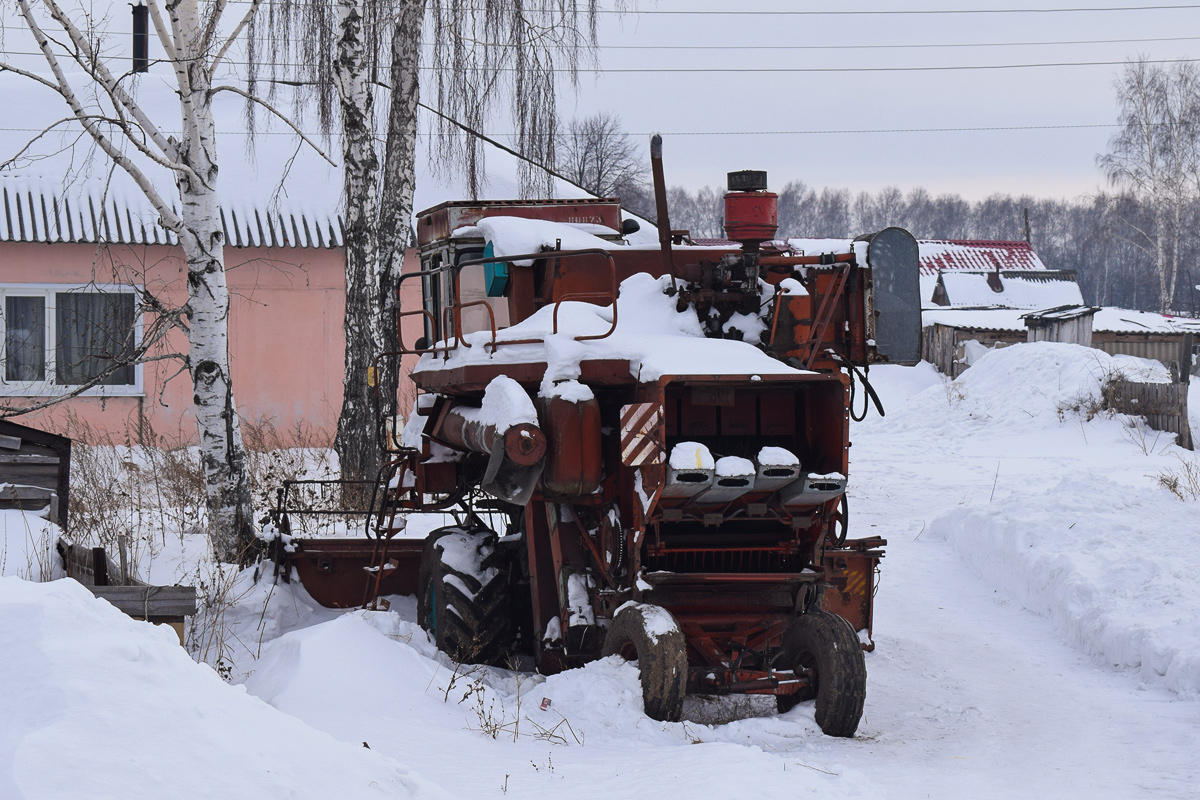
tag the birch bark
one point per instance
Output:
(399, 177)
(202, 238)
(357, 444)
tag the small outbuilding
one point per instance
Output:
(35, 470)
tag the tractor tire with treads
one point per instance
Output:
(462, 595)
(649, 635)
(826, 647)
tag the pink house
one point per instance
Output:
(75, 268)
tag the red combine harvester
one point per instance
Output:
(663, 433)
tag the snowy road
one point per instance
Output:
(970, 694)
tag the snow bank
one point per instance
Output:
(1020, 387)
(99, 705)
(656, 339)
(1113, 566)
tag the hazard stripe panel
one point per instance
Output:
(642, 434)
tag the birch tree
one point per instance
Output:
(1153, 155)
(100, 101)
(482, 56)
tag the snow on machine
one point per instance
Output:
(662, 432)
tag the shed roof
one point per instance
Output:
(1023, 288)
(1124, 320)
(976, 254)
(976, 319)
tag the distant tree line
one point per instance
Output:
(1089, 235)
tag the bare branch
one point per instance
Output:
(4, 67)
(100, 73)
(237, 31)
(210, 28)
(278, 114)
(169, 218)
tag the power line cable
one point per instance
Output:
(890, 12)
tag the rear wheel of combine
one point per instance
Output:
(462, 595)
(649, 635)
(824, 648)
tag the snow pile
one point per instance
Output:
(513, 236)
(27, 546)
(1023, 386)
(656, 620)
(734, 467)
(656, 338)
(1112, 566)
(691, 455)
(792, 288)
(462, 552)
(505, 404)
(570, 390)
(777, 457)
(97, 704)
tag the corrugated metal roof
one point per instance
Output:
(86, 214)
(1124, 320)
(1025, 288)
(939, 254)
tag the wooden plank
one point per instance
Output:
(150, 601)
(27, 458)
(10, 442)
(22, 492)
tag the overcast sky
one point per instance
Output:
(690, 108)
(1058, 163)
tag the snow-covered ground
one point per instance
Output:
(1036, 624)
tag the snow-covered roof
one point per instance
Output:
(984, 319)
(43, 210)
(1028, 289)
(1124, 320)
(976, 254)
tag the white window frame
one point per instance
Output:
(48, 387)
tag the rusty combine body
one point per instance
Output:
(695, 522)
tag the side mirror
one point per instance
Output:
(629, 226)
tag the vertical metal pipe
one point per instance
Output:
(660, 202)
(141, 40)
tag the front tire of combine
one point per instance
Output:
(462, 595)
(649, 635)
(825, 647)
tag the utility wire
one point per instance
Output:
(922, 46)
(812, 132)
(889, 12)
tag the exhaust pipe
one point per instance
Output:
(660, 204)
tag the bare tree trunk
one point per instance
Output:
(1160, 254)
(399, 181)
(357, 443)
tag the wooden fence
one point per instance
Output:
(1164, 405)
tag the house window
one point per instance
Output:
(56, 339)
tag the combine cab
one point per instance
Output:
(662, 432)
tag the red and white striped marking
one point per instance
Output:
(641, 434)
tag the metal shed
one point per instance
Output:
(1066, 324)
